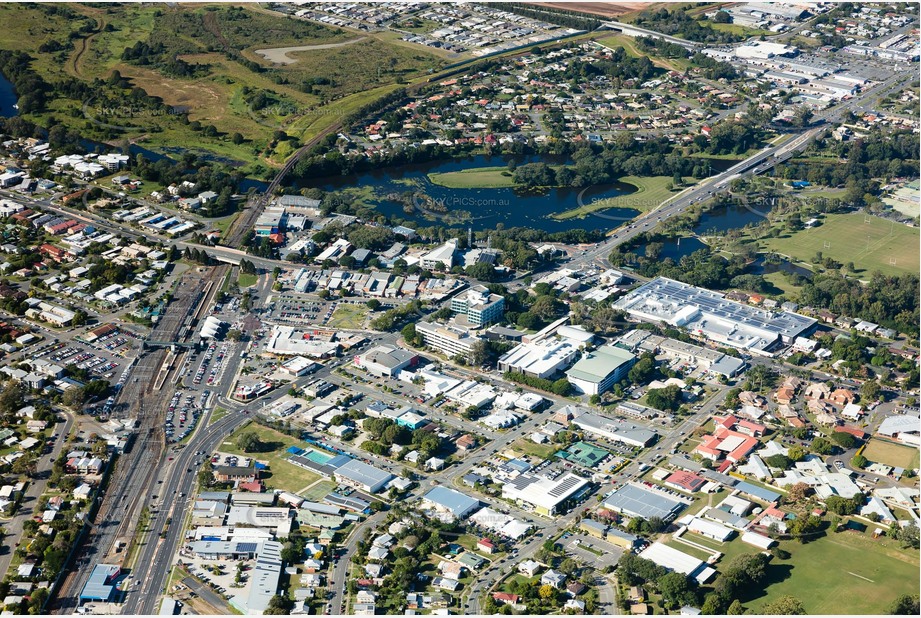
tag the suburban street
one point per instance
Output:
(13, 526)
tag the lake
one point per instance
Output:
(434, 204)
(7, 99)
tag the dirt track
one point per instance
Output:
(279, 55)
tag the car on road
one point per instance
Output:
(839, 464)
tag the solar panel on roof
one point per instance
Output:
(246, 547)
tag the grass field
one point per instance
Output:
(479, 178)
(629, 45)
(281, 473)
(306, 97)
(779, 281)
(891, 454)
(650, 192)
(349, 316)
(319, 490)
(870, 242)
(217, 415)
(843, 573)
(687, 549)
(223, 224)
(529, 447)
(247, 280)
(740, 30)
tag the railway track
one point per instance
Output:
(129, 485)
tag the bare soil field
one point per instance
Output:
(607, 9)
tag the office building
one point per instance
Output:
(479, 306)
(541, 359)
(546, 496)
(449, 340)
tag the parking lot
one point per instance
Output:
(81, 356)
(183, 414)
(208, 372)
(591, 550)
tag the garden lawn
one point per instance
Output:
(870, 242)
(246, 280)
(528, 447)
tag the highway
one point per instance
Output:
(758, 163)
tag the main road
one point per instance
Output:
(155, 558)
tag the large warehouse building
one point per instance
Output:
(615, 430)
(544, 495)
(637, 500)
(710, 315)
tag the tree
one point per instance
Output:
(668, 398)
(11, 398)
(870, 391)
(568, 566)
(796, 453)
(237, 139)
(249, 442)
(676, 589)
(410, 335)
(778, 461)
(804, 527)
(735, 608)
(844, 439)
(859, 461)
(74, 398)
(291, 554)
(822, 446)
(784, 606)
(905, 605)
(373, 304)
(278, 605)
(798, 492)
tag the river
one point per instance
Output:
(487, 208)
(7, 98)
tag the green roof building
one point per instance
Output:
(599, 370)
